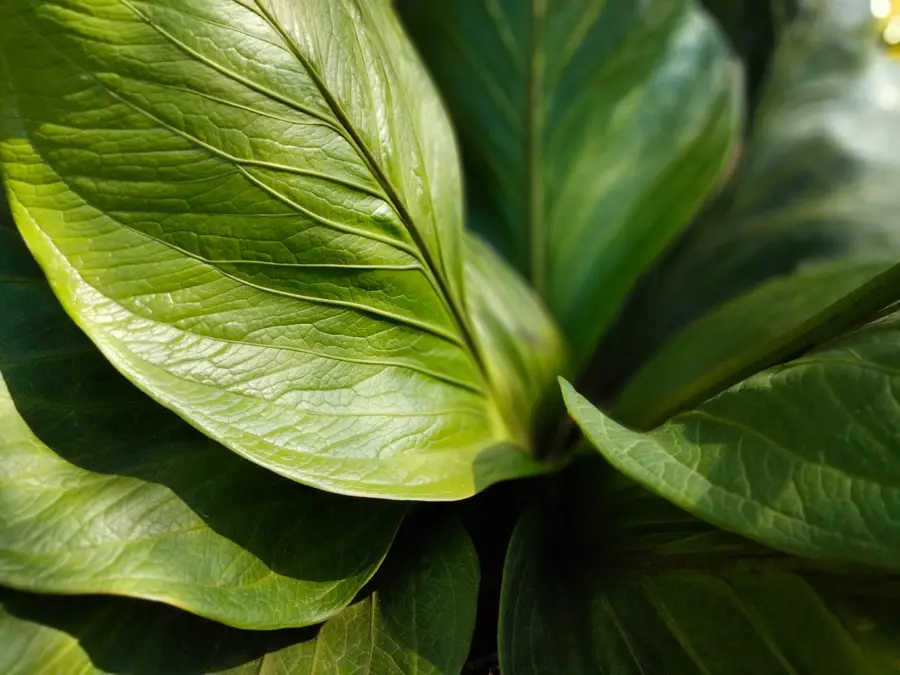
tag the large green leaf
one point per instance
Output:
(592, 130)
(806, 242)
(633, 586)
(418, 621)
(104, 491)
(804, 457)
(253, 209)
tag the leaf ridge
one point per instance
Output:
(371, 654)
(366, 154)
(536, 222)
(759, 625)
(504, 32)
(265, 91)
(621, 630)
(673, 627)
(842, 473)
(238, 165)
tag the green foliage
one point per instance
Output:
(634, 585)
(249, 325)
(593, 131)
(417, 621)
(280, 229)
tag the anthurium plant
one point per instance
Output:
(534, 337)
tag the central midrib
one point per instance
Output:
(384, 182)
(536, 254)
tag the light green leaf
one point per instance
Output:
(253, 208)
(806, 242)
(592, 130)
(633, 586)
(522, 348)
(104, 491)
(419, 621)
(804, 457)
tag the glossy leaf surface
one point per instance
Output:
(803, 245)
(419, 621)
(634, 586)
(253, 209)
(104, 491)
(592, 132)
(804, 457)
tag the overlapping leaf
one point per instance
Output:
(104, 491)
(523, 351)
(805, 243)
(592, 131)
(253, 209)
(804, 457)
(634, 586)
(418, 621)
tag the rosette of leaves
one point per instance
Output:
(276, 273)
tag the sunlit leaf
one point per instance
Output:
(418, 621)
(804, 457)
(104, 491)
(253, 209)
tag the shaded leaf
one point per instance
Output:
(592, 131)
(803, 246)
(253, 209)
(104, 491)
(418, 621)
(804, 457)
(633, 585)
(523, 350)
(754, 28)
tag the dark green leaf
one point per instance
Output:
(593, 131)
(104, 491)
(253, 208)
(804, 457)
(633, 586)
(418, 622)
(755, 27)
(804, 245)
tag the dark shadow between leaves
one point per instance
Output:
(77, 404)
(136, 637)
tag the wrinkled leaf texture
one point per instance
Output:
(253, 208)
(104, 491)
(804, 457)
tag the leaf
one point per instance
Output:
(104, 491)
(634, 586)
(523, 350)
(806, 243)
(420, 623)
(253, 209)
(804, 457)
(392, 632)
(592, 131)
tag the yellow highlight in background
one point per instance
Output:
(887, 14)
